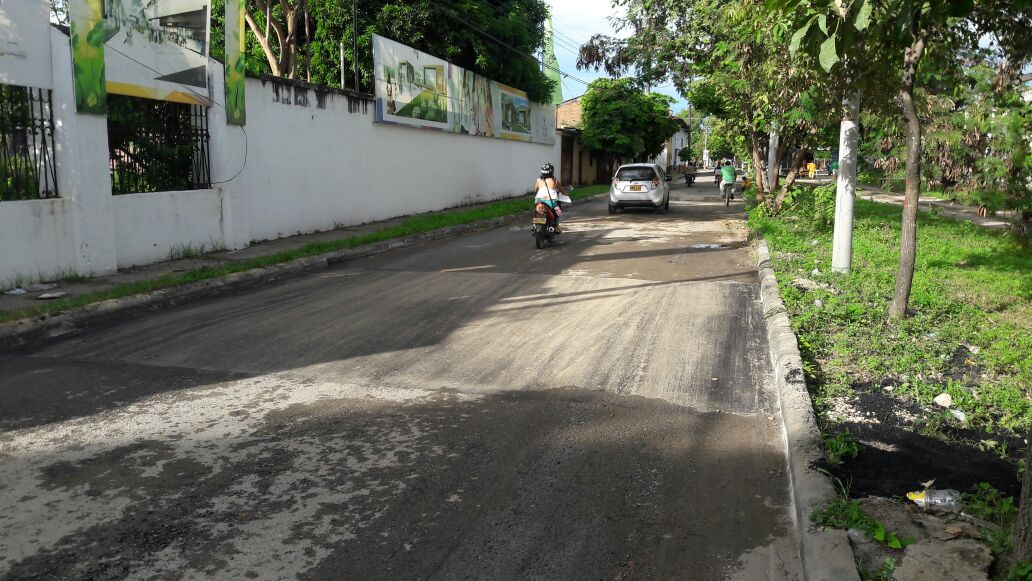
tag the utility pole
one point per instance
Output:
(354, 41)
(342, 84)
(845, 191)
(689, 136)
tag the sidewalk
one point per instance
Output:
(1001, 220)
(77, 286)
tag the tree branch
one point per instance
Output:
(263, 40)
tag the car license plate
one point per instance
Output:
(540, 220)
(635, 188)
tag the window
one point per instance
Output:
(636, 174)
(157, 146)
(27, 167)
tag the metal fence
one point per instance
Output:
(157, 146)
(27, 167)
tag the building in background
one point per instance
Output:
(578, 166)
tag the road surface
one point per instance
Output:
(470, 408)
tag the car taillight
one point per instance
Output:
(616, 182)
(655, 183)
(539, 208)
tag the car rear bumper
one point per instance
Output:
(650, 198)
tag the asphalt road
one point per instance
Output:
(471, 408)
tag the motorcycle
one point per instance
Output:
(689, 175)
(545, 223)
(546, 217)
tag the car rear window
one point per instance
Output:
(632, 174)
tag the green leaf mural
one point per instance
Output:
(236, 112)
(88, 56)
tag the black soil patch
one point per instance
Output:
(896, 458)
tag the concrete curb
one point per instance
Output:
(826, 554)
(28, 331)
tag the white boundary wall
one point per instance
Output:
(314, 160)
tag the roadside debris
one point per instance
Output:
(40, 287)
(934, 500)
(49, 296)
(805, 284)
(944, 400)
(16, 291)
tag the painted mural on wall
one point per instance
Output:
(236, 112)
(417, 89)
(86, 25)
(156, 49)
(25, 43)
(165, 45)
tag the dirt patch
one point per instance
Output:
(897, 456)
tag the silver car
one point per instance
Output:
(641, 185)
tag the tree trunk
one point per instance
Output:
(263, 36)
(1025, 512)
(757, 158)
(908, 238)
(845, 187)
(797, 164)
(779, 156)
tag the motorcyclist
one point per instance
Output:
(547, 189)
(727, 173)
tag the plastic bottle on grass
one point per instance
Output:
(936, 500)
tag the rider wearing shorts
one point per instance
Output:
(727, 173)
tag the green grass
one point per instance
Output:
(972, 298)
(840, 447)
(411, 226)
(843, 513)
(986, 503)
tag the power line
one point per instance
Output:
(556, 34)
(455, 16)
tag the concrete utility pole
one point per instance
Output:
(842, 244)
(354, 41)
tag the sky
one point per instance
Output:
(574, 21)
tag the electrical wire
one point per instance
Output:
(557, 36)
(455, 16)
(205, 98)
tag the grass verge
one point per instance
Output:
(971, 328)
(411, 226)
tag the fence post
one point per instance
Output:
(83, 176)
(228, 146)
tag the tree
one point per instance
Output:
(622, 122)
(729, 59)
(305, 36)
(903, 31)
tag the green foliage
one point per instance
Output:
(432, 27)
(842, 513)
(622, 122)
(840, 447)
(1021, 571)
(986, 503)
(972, 286)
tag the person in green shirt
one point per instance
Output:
(727, 185)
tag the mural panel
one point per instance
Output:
(414, 88)
(165, 45)
(236, 112)
(86, 25)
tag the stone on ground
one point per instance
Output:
(956, 560)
